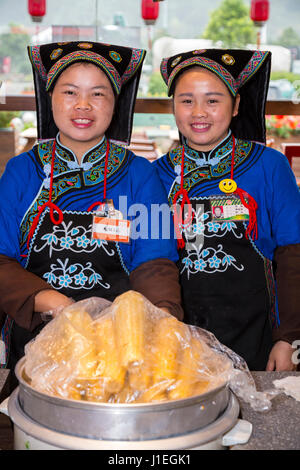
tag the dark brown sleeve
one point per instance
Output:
(18, 288)
(158, 281)
(287, 274)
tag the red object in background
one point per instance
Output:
(259, 12)
(37, 9)
(291, 150)
(6, 64)
(150, 11)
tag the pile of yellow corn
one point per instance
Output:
(130, 354)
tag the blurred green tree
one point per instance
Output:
(288, 38)
(14, 45)
(230, 24)
(157, 86)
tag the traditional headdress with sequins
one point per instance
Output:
(122, 66)
(243, 71)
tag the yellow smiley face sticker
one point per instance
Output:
(227, 186)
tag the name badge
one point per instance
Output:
(108, 224)
(113, 230)
(226, 208)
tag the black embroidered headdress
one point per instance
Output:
(122, 66)
(243, 71)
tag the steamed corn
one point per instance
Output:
(185, 378)
(188, 381)
(139, 376)
(166, 349)
(109, 363)
(130, 319)
(155, 393)
(76, 345)
(128, 355)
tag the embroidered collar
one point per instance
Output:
(212, 157)
(207, 162)
(90, 157)
(217, 162)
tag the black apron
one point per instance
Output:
(225, 286)
(73, 264)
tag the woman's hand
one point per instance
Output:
(280, 357)
(49, 300)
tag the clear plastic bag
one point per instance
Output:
(240, 379)
(130, 351)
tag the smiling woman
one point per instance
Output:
(203, 108)
(244, 206)
(49, 253)
(82, 104)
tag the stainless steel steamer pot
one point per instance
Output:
(187, 423)
(30, 435)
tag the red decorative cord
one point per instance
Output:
(251, 205)
(98, 203)
(232, 157)
(178, 215)
(53, 207)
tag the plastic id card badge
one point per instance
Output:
(108, 224)
(226, 208)
(113, 230)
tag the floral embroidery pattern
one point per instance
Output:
(75, 238)
(208, 259)
(73, 276)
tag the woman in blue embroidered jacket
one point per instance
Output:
(245, 216)
(85, 96)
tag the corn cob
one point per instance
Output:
(155, 393)
(139, 375)
(201, 386)
(95, 390)
(189, 380)
(84, 357)
(185, 378)
(75, 343)
(67, 325)
(202, 376)
(109, 366)
(126, 395)
(74, 392)
(130, 320)
(80, 320)
(166, 348)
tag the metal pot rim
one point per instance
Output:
(134, 407)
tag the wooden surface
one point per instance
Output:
(6, 433)
(148, 105)
(7, 147)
